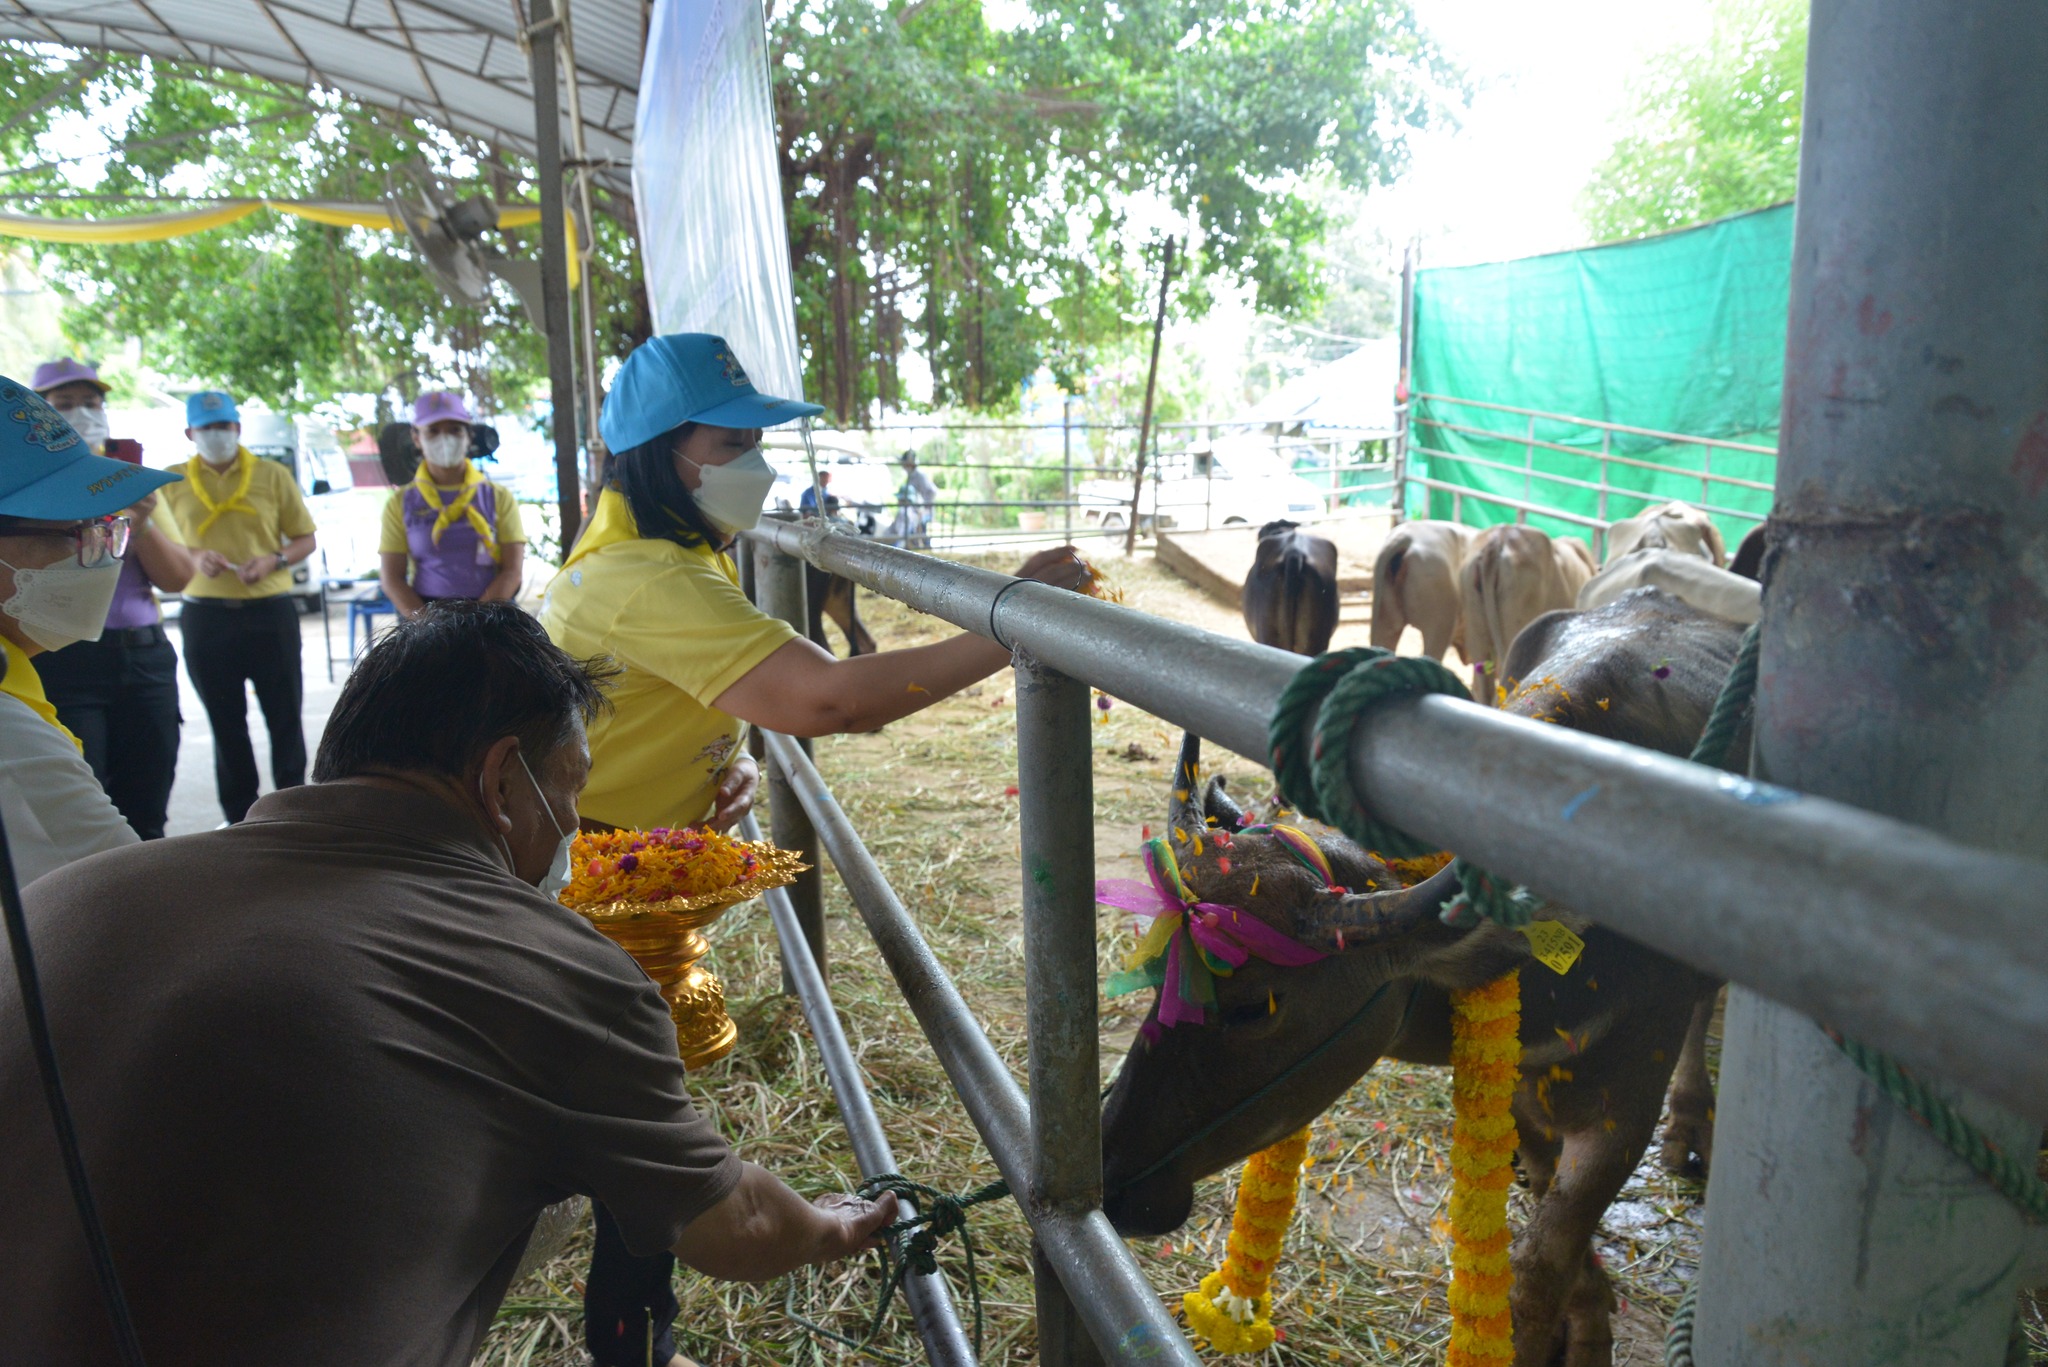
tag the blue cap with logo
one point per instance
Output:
(210, 406)
(687, 377)
(47, 472)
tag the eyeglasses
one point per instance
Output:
(98, 542)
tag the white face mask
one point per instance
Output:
(89, 423)
(445, 450)
(61, 603)
(557, 876)
(217, 445)
(731, 495)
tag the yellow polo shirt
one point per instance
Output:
(269, 513)
(675, 621)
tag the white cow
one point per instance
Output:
(1514, 575)
(1415, 583)
(1722, 592)
(1675, 526)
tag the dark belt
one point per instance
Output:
(134, 638)
(236, 604)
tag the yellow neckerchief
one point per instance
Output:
(464, 504)
(237, 502)
(21, 681)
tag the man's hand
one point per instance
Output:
(256, 567)
(736, 794)
(213, 564)
(1061, 567)
(853, 1225)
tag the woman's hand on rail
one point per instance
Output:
(735, 793)
(1062, 567)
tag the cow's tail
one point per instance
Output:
(1388, 621)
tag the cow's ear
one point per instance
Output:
(1355, 868)
(1336, 922)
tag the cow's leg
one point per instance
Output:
(816, 585)
(1689, 1138)
(839, 602)
(1556, 1321)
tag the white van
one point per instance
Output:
(1238, 479)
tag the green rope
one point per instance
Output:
(1336, 690)
(1732, 707)
(911, 1246)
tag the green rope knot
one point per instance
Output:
(910, 1246)
(1337, 689)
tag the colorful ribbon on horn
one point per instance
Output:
(1189, 940)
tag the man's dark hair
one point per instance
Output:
(438, 690)
(663, 507)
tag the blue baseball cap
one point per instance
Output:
(687, 377)
(47, 471)
(210, 406)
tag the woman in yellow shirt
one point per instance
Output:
(652, 584)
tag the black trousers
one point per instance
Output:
(119, 696)
(626, 1299)
(233, 642)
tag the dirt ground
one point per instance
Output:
(1365, 1271)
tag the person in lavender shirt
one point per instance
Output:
(119, 694)
(450, 533)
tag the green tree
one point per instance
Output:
(277, 308)
(971, 194)
(1715, 129)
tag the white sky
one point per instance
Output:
(1551, 77)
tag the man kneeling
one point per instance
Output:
(328, 1065)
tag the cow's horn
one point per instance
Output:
(1337, 921)
(1218, 804)
(1185, 811)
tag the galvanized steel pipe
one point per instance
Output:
(1119, 1307)
(1813, 903)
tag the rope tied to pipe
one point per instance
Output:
(1337, 689)
(911, 1246)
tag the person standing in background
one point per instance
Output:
(249, 525)
(119, 694)
(61, 538)
(457, 532)
(919, 498)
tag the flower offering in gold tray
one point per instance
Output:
(653, 892)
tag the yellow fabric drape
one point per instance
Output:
(463, 504)
(183, 223)
(236, 502)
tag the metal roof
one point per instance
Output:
(455, 63)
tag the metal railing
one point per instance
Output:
(1815, 904)
(1604, 487)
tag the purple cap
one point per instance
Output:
(439, 405)
(50, 374)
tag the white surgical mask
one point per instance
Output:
(731, 495)
(217, 445)
(445, 450)
(88, 423)
(557, 876)
(61, 603)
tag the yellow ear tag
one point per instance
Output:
(1555, 946)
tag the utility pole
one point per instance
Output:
(554, 263)
(1145, 422)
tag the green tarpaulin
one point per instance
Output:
(1682, 333)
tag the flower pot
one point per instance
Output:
(1031, 521)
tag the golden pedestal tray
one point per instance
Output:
(666, 939)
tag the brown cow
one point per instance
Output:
(1514, 575)
(1415, 583)
(1290, 594)
(1283, 1044)
(1676, 526)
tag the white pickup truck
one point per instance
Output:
(1232, 480)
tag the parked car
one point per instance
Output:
(1242, 479)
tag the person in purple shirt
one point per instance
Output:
(450, 533)
(119, 694)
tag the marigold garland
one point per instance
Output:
(1234, 1307)
(1486, 1057)
(655, 865)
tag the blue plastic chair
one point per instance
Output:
(366, 611)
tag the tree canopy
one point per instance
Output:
(979, 196)
(1715, 128)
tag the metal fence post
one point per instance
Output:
(1904, 666)
(779, 579)
(1056, 796)
(1067, 465)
